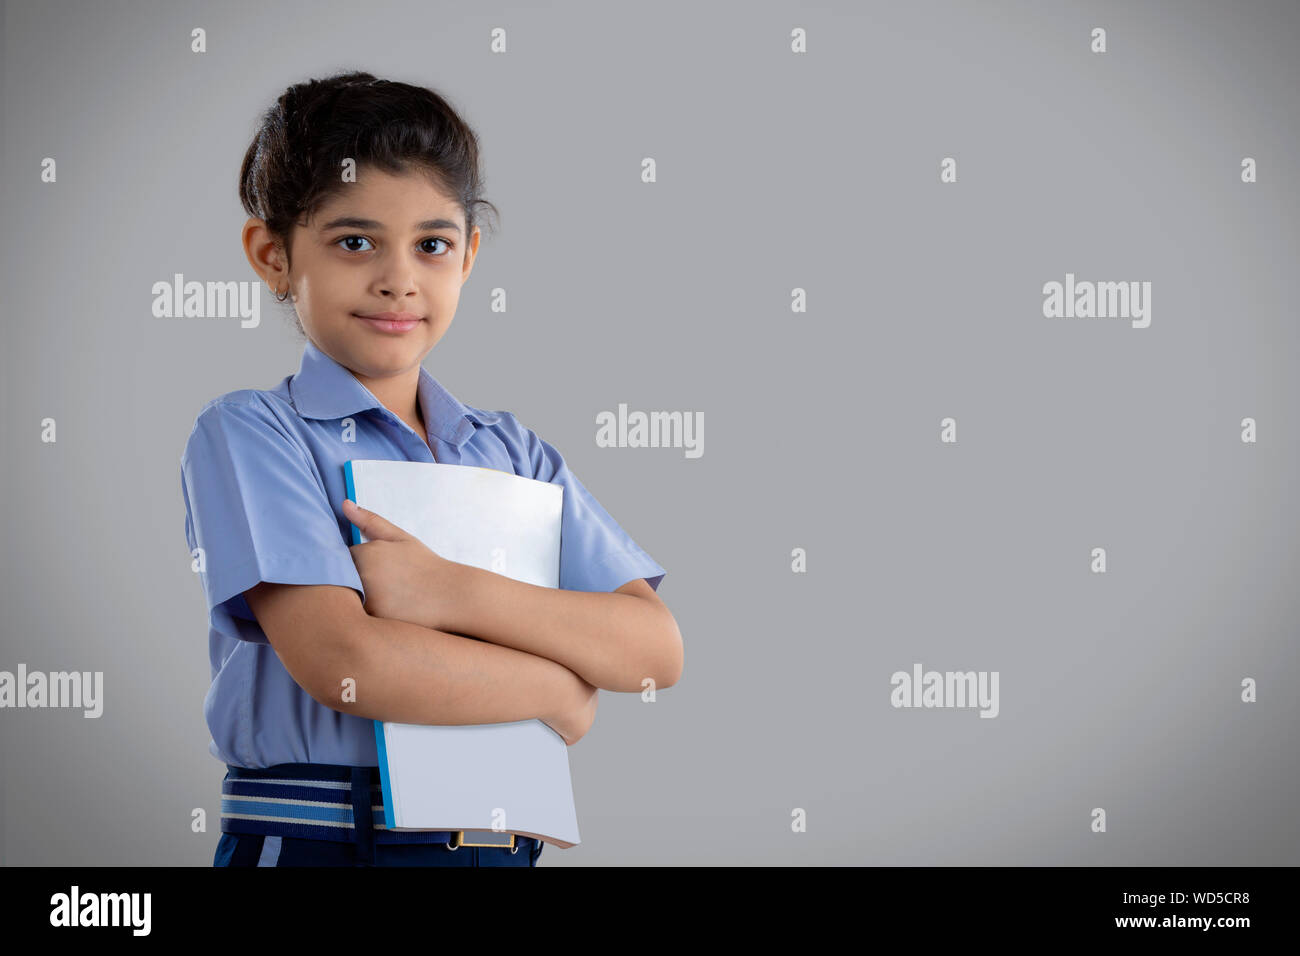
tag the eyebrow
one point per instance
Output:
(354, 222)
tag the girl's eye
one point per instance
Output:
(349, 239)
(364, 239)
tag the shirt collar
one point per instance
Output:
(322, 388)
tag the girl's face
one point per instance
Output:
(386, 243)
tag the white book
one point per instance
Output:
(469, 777)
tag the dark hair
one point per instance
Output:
(294, 162)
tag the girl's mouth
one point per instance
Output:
(397, 322)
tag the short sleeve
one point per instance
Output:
(596, 554)
(254, 504)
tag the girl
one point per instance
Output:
(363, 197)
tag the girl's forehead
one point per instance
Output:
(373, 191)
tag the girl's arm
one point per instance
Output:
(612, 640)
(390, 670)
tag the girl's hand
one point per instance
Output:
(403, 579)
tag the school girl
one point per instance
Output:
(363, 198)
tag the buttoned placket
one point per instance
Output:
(416, 450)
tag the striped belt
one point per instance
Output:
(319, 801)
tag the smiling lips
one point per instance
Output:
(390, 321)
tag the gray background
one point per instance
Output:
(775, 171)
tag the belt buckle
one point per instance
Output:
(458, 839)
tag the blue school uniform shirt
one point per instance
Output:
(262, 479)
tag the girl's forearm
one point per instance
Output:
(611, 640)
(414, 675)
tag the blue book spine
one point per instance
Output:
(390, 819)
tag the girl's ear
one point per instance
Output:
(265, 254)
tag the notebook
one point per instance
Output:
(514, 775)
